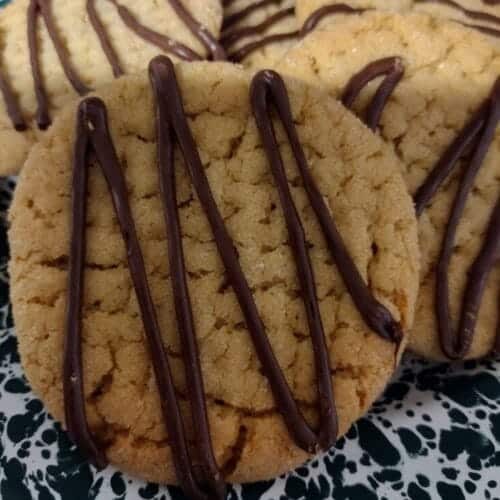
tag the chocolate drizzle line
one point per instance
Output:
(483, 29)
(232, 37)
(105, 42)
(447, 163)
(340, 8)
(299, 429)
(249, 48)
(336, 8)
(200, 477)
(269, 90)
(74, 399)
(473, 14)
(213, 47)
(393, 70)
(327, 10)
(43, 8)
(478, 134)
(93, 135)
(171, 126)
(471, 144)
(161, 41)
(238, 16)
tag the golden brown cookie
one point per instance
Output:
(257, 33)
(247, 288)
(428, 86)
(54, 50)
(480, 15)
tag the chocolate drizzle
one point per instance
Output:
(196, 467)
(471, 145)
(299, 429)
(269, 87)
(43, 8)
(269, 90)
(483, 29)
(249, 48)
(214, 48)
(171, 127)
(393, 70)
(74, 400)
(93, 135)
(473, 14)
(164, 42)
(341, 8)
(161, 41)
(452, 155)
(242, 14)
(327, 10)
(106, 45)
(478, 136)
(231, 37)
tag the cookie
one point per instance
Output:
(257, 33)
(480, 15)
(428, 87)
(54, 50)
(254, 290)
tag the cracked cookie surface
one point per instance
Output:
(480, 15)
(360, 180)
(448, 72)
(84, 52)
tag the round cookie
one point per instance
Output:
(442, 73)
(480, 15)
(364, 194)
(97, 41)
(257, 34)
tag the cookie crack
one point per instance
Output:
(235, 452)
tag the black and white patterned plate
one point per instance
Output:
(435, 434)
